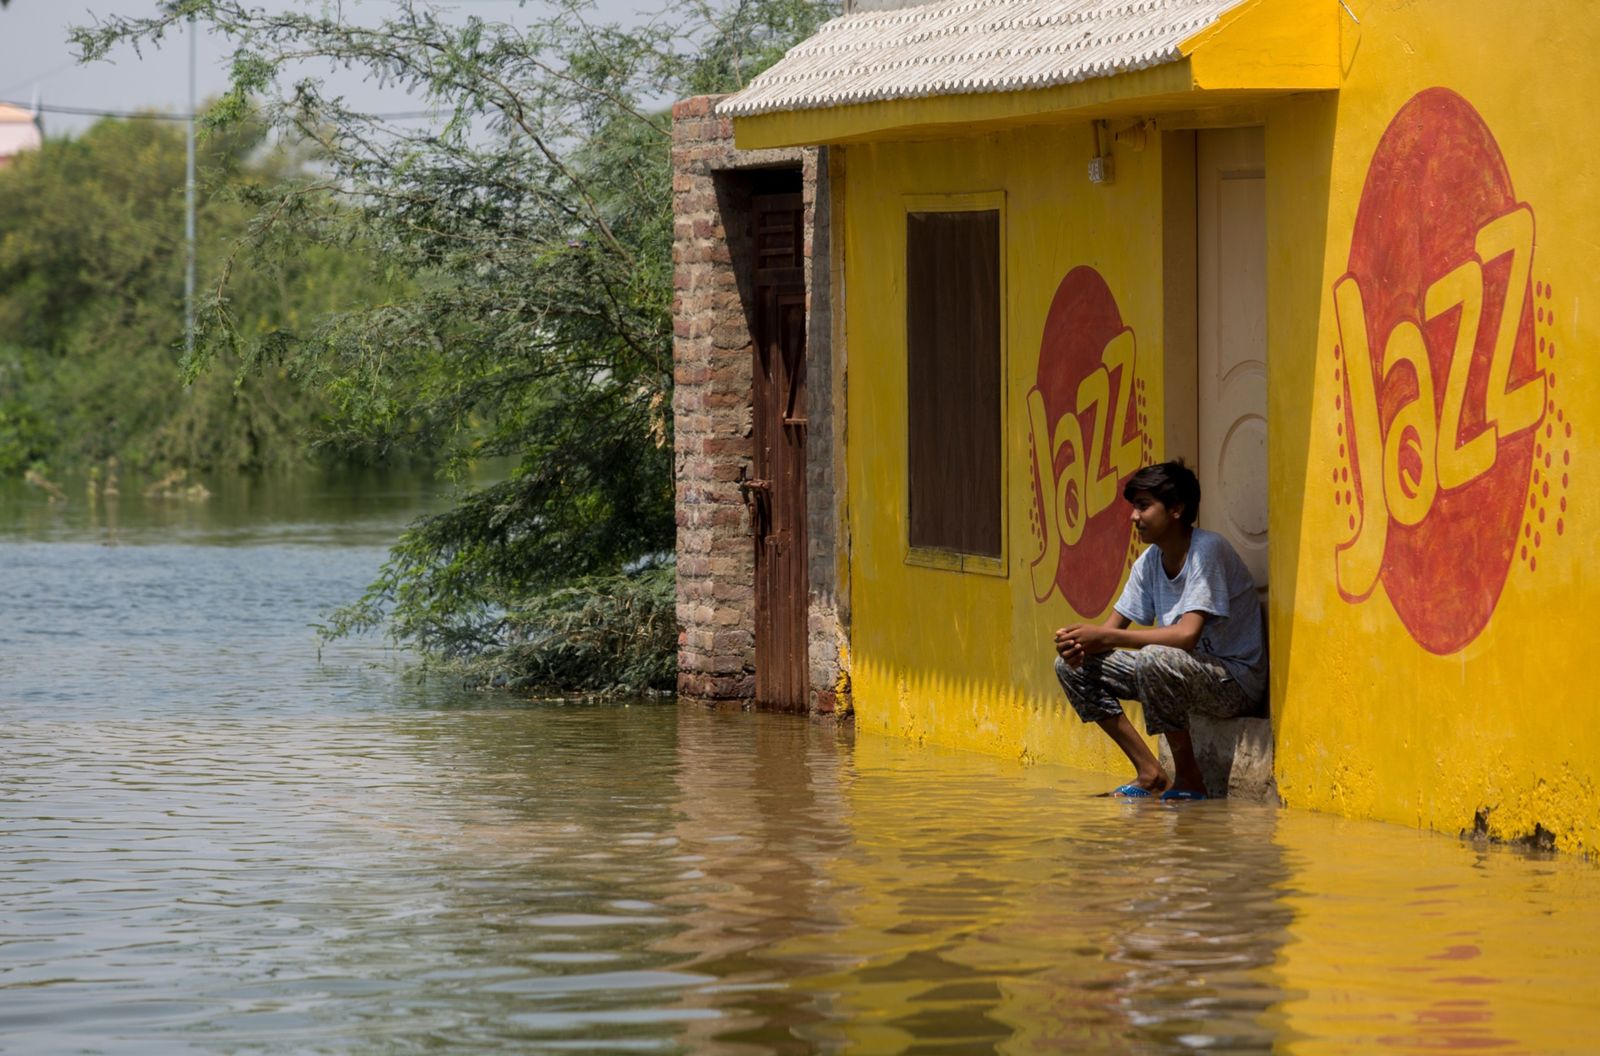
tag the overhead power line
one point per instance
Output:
(162, 115)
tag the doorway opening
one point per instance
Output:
(1216, 368)
(775, 490)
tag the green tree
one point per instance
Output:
(533, 218)
(91, 304)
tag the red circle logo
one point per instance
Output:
(1087, 435)
(1441, 391)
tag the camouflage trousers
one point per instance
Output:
(1170, 683)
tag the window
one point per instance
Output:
(953, 385)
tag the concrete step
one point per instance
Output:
(1235, 757)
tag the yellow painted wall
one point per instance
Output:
(946, 657)
(1368, 720)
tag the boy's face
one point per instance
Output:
(1151, 519)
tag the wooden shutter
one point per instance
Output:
(953, 380)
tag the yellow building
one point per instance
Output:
(1331, 253)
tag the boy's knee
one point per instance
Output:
(1163, 668)
(1155, 659)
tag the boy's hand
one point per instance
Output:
(1079, 641)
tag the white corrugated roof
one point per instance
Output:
(954, 47)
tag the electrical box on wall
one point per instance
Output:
(1100, 168)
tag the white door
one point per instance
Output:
(1231, 219)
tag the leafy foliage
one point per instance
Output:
(600, 635)
(532, 220)
(92, 313)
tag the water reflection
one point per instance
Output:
(764, 821)
(649, 878)
(212, 841)
(999, 909)
(333, 508)
(1411, 942)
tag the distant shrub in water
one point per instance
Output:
(603, 634)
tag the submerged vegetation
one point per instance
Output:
(601, 634)
(524, 236)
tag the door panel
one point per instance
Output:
(779, 489)
(1231, 219)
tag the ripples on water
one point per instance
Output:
(214, 843)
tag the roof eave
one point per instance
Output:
(1261, 48)
(1269, 46)
(938, 114)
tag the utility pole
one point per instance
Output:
(188, 211)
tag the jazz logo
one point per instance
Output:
(1087, 435)
(1440, 389)
(1428, 424)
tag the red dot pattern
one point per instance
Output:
(1554, 440)
(1343, 493)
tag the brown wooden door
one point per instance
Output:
(778, 490)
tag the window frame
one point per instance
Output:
(940, 557)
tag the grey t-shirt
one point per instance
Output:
(1213, 581)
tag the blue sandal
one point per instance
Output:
(1130, 791)
(1182, 795)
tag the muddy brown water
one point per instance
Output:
(214, 841)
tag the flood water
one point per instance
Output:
(212, 840)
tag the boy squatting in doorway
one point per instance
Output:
(1200, 647)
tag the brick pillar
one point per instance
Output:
(711, 423)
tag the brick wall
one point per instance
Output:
(713, 364)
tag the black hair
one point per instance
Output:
(1169, 483)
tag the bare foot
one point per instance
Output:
(1155, 785)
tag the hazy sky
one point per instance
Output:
(34, 52)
